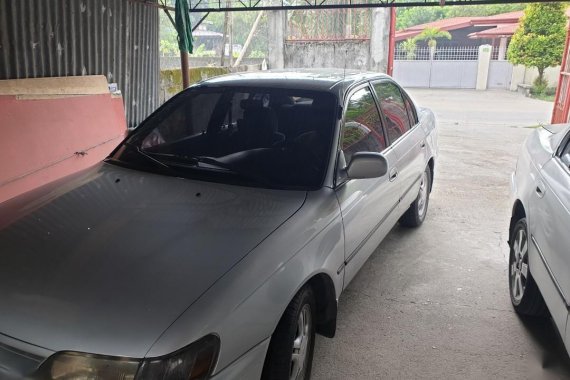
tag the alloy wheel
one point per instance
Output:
(422, 198)
(519, 265)
(301, 344)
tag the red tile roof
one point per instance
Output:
(499, 31)
(503, 18)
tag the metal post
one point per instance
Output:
(185, 69)
(392, 41)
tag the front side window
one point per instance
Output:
(362, 130)
(394, 109)
(266, 137)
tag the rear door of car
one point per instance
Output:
(368, 206)
(550, 218)
(405, 137)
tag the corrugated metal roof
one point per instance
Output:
(115, 38)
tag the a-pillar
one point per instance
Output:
(277, 25)
(483, 66)
(379, 39)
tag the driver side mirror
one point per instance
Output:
(367, 165)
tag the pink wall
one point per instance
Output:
(44, 124)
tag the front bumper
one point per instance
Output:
(248, 366)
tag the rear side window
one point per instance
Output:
(394, 109)
(362, 131)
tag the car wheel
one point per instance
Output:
(416, 214)
(525, 295)
(290, 353)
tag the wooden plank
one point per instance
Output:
(83, 85)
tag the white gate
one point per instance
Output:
(500, 75)
(448, 67)
(453, 74)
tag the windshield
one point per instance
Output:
(267, 137)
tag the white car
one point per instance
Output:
(539, 261)
(217, 238)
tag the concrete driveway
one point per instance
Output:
(433, 303)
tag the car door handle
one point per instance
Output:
(393, 174)
(423, 144)
(540, 190)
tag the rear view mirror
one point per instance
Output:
(367, 165)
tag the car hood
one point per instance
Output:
(104, 261)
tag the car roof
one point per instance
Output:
(331, 80)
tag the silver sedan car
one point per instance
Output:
(215, 241)
(539, 262)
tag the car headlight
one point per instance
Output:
(194, 362)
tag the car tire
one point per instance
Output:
(290, 352)
(416, 213)
(525, 295)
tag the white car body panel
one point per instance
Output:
(542, 184)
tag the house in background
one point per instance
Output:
(455, 63)
(210, 39)
(475, 31)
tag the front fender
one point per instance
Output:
(245, 305)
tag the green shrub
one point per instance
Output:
(257, 54)
(550, 91)
(539, 86)
(202, 52)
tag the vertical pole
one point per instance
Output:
(561, 111)
(231, 38)
(392, 41)
(277, 25)
(225, 37)
(185, 67)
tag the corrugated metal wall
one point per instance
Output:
(116, 38)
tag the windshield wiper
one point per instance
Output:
(192, 161)
(164, 166)
(195, 161)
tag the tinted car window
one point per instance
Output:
(362, 131)
(411, 111)
(566, 150)
(393, 108)
(565, 154)
(266, 137)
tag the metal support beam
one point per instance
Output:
(262, 5)
(392, 42)
(150, 3)
(200, 21)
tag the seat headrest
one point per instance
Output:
(251, 103)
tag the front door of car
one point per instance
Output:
(367, 205)
(406, 138)
(550, 217)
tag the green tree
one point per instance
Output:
(242, 23)
(539, 40)
(482, 10)
(409, 46)
(406, 17)
(431, 35)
